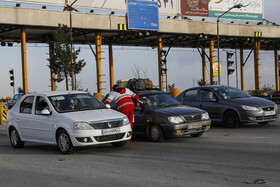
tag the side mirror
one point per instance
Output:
(10, 107)
(46, 112)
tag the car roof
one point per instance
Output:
(211, 86)
(148, 91)
(52, 93)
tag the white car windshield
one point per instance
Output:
(75, 102)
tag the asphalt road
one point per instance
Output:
(245, 156)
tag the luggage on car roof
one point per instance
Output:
(136, 84)
(148, 84)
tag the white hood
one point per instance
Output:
(93, 115)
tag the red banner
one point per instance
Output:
(194, 7)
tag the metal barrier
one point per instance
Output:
(3, 111)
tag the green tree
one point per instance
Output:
(61, 60)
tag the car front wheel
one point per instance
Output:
(64, 143)
(15, 139)
(231, 119)
(156, 134)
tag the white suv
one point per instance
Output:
(69, 119)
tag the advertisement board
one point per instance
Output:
(194, 7)
(216, 69)
(250, 10)
(166, 7)
(43, 2)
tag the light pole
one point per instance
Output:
(218, 37)
(71, 44)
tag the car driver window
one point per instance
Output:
(41, 105)
(191, 95)
(206, 95)
(26, 105)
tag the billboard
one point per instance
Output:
(194, 7)
(43, 2)
(166, 7)
(216, 69)
(250, 10)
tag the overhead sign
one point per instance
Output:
(166, 7)
(250, 10)
(142, 15)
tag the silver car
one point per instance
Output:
(229, 105)
(68, 119)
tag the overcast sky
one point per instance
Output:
(184, 65)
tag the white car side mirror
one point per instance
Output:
(45, 112)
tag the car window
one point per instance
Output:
(155, 100)
(206, 95)
(75, 102)
(231, 93)
(190, 95)
(17, 97)
(26, 105)
(41, 104)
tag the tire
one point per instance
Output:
(15, 139)
(231, 119)
(156, 134)
(119, 144)
(64, 143)
(196, 134)
(263, 123)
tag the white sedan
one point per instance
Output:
(69, 119)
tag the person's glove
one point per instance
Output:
(108, 106)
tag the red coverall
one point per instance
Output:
(124, 97)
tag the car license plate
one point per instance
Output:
(110, 131)
(194, 126)
(269, 113)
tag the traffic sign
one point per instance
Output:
(142, 15)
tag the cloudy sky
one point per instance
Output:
(184, 65)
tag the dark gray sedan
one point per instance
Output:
(229, 105)
(161, 116)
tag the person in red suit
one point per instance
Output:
(125, 100)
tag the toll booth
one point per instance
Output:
(3, 111)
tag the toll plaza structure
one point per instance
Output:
(29, 25)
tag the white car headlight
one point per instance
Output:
(125, 121)
(82, 126)
(175, 119)
(205, 116)
(251, 108)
